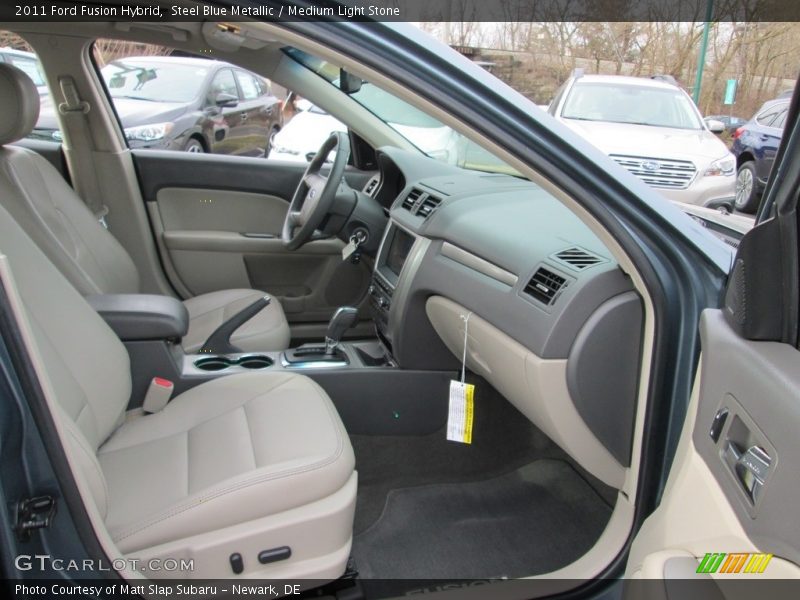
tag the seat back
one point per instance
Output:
(48, 209)
(87, 364)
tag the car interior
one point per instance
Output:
(248, 361)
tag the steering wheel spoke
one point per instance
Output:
(315, 194)
(314, 181)
(293, 218)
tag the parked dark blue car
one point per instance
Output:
(754, 145)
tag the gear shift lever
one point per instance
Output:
(342, 320)
(326, 354)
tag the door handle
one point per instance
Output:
(243, 115)
(751, 467)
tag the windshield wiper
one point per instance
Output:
(132, 97)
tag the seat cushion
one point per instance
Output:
(268, 330)
(226, 452)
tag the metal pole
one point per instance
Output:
(701, 59)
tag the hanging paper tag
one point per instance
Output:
(348, 250)
(459, 417)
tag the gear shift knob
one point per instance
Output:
(342, 320)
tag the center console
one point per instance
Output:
(371, 391)
(392, 257)
(371, 394)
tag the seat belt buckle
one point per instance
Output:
(158, 394)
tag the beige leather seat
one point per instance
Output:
(242, 464)
(83, 250)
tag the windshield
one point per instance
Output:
(154, 81)
(636, 104)
(426, 133)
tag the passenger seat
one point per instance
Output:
(83, 250)
(249, 475)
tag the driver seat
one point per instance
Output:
(88, 255)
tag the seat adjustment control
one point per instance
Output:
(237, 563)
(274, 555)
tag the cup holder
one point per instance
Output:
(255, 362)
(220, 363)
(213, 363)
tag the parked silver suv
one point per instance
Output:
(653, 129)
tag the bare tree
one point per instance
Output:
(106, 50)
(9, 39)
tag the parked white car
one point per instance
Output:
(653, 129)
(305, 132)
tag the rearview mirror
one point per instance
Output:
(224, 100)
(348, 82)
(715, 126)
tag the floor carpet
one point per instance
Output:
(533, 520)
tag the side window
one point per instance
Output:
(168, 99)
(766, 117)
(30, 65)
(249, 85)
(15, 51)
(780, 120)
(223, 83)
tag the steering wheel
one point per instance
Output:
(315, 193)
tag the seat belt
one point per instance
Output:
(74, 111)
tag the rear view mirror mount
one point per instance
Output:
(349, 83)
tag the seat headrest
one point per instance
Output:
(20, 101)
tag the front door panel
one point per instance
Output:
(729, 508)
(754, 387)
(218, 220)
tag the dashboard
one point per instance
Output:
(554, 322)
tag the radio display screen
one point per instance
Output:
(398, 251)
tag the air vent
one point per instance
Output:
(428, 205)
(544, 285)
(412, 198)
(578, 258)
(372, 185)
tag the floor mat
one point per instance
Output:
(503, 440)
(533, 520)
